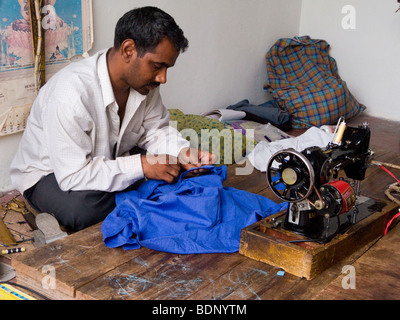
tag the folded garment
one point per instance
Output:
(193, 215)
(267, 112)
(263, 152)
(223, 115)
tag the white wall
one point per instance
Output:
(225, 62)
(367, 56)
(8, 147)
(228, 40)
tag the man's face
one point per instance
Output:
(148, 72)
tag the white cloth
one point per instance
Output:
(74, 131)
(264, 150)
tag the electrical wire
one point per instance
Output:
(390, 173)
(390, 222)
(398, 214)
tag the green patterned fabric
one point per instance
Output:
(212, 135)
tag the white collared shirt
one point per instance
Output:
(74, 131)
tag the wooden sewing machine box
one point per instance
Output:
(266, 243)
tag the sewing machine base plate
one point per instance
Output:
(295, 254)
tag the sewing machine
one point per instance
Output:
(310, 182)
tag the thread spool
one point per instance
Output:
(340, 132)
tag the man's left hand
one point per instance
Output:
(192, 158)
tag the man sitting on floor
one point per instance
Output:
(76, 151)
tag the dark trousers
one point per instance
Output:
(74, 210)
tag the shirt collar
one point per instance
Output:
(105, 82)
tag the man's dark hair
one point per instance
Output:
(148, 26)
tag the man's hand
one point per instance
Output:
(167, 168)
(192, 158)
(160, 167)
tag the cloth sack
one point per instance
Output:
(304, 81)
(193, 215)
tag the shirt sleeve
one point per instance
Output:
(66, 130)
(161, 136)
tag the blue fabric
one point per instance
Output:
(193, 215)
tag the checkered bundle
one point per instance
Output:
(304, 80)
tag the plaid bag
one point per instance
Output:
(304, 80)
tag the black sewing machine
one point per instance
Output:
(322, 204)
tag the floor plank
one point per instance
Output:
(75, 260)
(160, 276)
(376, 273)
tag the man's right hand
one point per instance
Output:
(160, 167)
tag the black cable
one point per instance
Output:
(24, 287)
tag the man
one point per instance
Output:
(76, 151)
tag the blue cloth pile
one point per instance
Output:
(193, 215)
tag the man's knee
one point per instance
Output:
(86, 211)
(75, 210)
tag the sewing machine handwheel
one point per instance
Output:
(290, 175)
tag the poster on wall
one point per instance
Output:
(68, 31)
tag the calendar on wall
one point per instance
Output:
(16, 97)
(15, 120)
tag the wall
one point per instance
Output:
(228, 40)
(8, 147)
(367, 56)
(225, 62)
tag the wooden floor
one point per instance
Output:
(85, 269)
